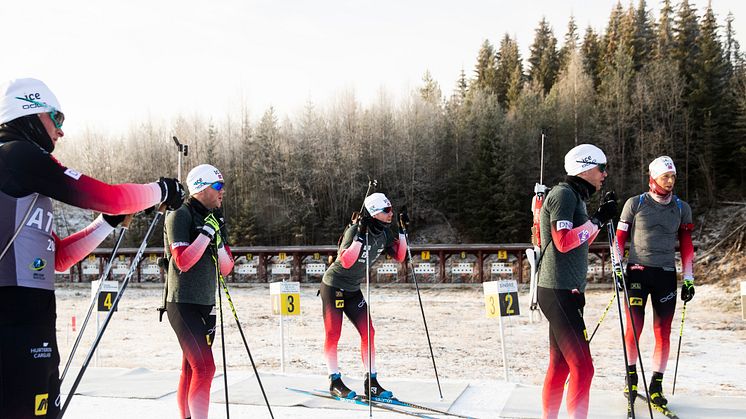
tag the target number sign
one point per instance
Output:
(108, 294)
(285, 298)
(501, 298)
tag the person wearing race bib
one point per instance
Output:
(653, 222)
(340, 288)
(562, 277)
(31, 121)
(195, 237)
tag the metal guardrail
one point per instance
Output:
(466, 263)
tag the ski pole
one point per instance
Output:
(367, 308)
(100, 334)
(422, 310)
(222, 346)
(603, 316)
(102, 278)
(372, 183)
(618, 276)
(678, 351)
(246, 345)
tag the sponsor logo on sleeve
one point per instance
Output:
(174, 245)
(584, 235)
(564, 225)
(623, 226)
(73, 174)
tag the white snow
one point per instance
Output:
(465, 342)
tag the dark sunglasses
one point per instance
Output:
(218, 186)
(386, 210)
(601, 166)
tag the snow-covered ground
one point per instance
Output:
(466, 343)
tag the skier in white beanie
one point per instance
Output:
(654, 221)
(196, 242)
(31, 178)
(567, 231)
(340, 287)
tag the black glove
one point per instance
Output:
(363, 224)
(606, 211)
(172, 193)
(687, 290)
(113, 220)
(403, 218)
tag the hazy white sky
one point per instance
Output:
(113, 62)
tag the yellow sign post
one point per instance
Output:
(501, 300)
(285, 298)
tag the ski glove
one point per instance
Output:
(221, 221)
(606, 211)
(172, 193)
(403, 218)
(211, 229)
(363, 225)
(687, 290)
(113, 220)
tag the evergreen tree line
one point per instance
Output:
(645, 86)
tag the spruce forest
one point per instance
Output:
(467, 156)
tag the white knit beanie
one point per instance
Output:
(201, 177)
(582, 158)
(661, 165)
(21, 97)
(376, 202)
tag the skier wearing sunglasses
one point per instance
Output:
(340, 288)
(195, 239)
(31, 121)
(569, 231)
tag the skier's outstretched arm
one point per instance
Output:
(34, 170)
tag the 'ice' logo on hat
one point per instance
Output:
(587, 160)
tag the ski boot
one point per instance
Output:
(631, 383)
(375, 389)
(656, 390)
(338, 389)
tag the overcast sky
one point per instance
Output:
(114, 62)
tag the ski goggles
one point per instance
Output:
(57, 117)
(218, 186)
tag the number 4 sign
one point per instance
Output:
(107, 294)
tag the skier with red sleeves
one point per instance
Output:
(31, 121)
(567, 231)
(340, 289)
(196, 240)
(653, 222)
